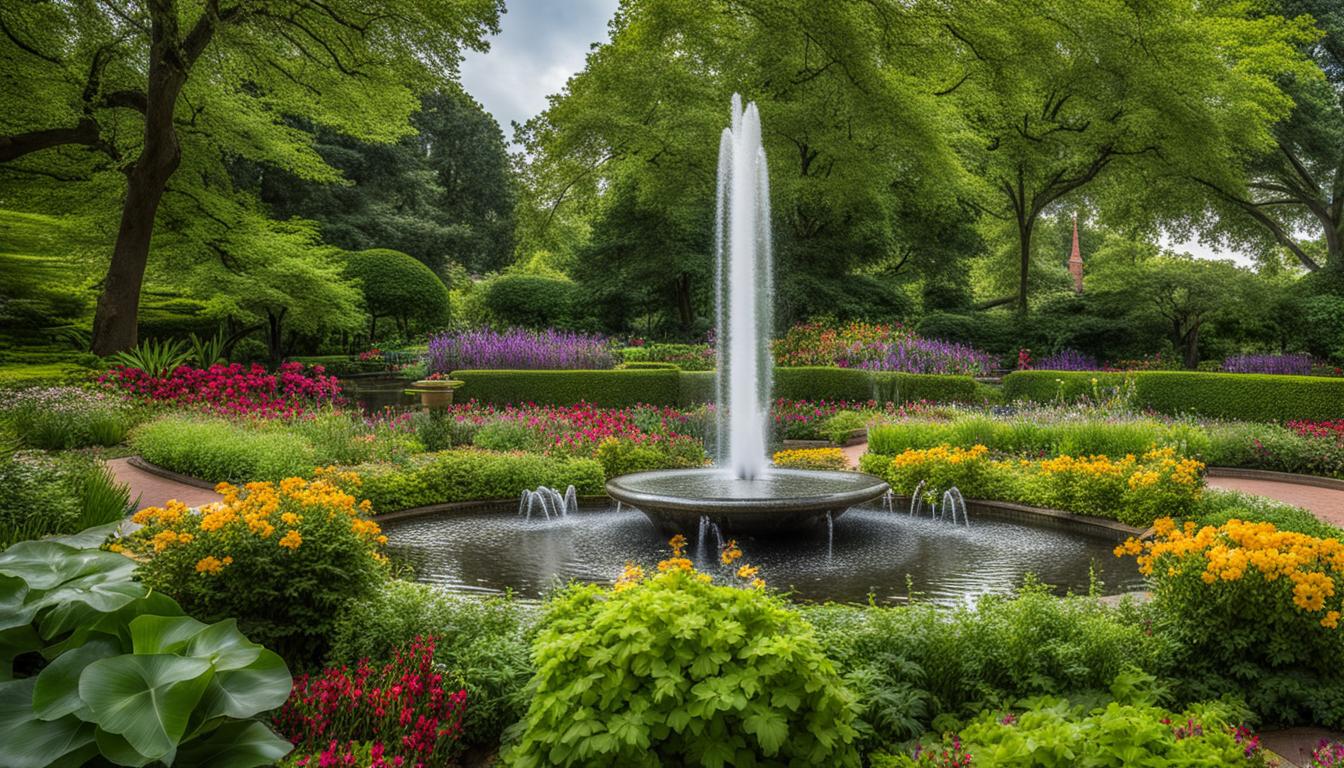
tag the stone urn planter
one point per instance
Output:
(435, 393)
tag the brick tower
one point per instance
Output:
(1076, 260)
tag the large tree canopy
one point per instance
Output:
(138, 106)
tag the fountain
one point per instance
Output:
(743, 494)
(548, 502)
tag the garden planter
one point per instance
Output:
(435, 394)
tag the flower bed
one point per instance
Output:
(877, 347)
(1297, 365)
(811, 458)
(232, 390)
(518, 349)
(57, 418)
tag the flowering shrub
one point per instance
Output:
(672, 669)
(1133, 490)
(57, 418)
(281, 558)
(1256, 611)
(877, 347)
(1328, 754)
(1299, 365)
(232, 390)
(518, 349)
(1067, 360)
(812, 458)
(1334, 428)
(395, 715)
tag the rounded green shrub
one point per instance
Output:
(396, 285)
(675, 670)
(531, 301)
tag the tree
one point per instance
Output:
(1060, 94)
(128, 95)
(1290, 193)
(850, 121)
(395, 285)
(444, 193)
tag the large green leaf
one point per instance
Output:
(13, 642)
(234, 745)
(85, 619)
(27, 742)
(103, 590)
(46, 564)
(13, 612)
(242, 693)
(225, 645)
(119, 751)
(57, 692)
(147, 699)
(163, 634)
(89, 538)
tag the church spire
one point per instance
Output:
(1076, 260)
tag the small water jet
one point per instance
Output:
(548, 502)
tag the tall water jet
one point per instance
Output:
(744, 287)
(743, 494)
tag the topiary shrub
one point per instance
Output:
(531, 301)
(398, 286)
(1049, 386)
(676, 670)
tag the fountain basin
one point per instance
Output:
(780, 501)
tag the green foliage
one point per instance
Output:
(157, 358)
(687, 357)
(481, 645)
(1270, 446)
(50, 495)
(844, 425)
(622, 456)
(606, 388)
(1244, 396)
(1217, 507)
(205, 352)
(912, 665)
(218, 450)
(127, 675)
(695, 388)
(472, 475)
(1052, 733)
(531, 301)
(59, 418)
(1035, 436)
(508, 435)
(674, 670)
(395, 285)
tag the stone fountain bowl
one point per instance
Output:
(781, 501)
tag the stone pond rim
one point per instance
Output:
(782, 501)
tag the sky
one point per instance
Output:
(543, 42)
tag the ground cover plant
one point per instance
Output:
(57, 418)
(232, 390)
(56, 494)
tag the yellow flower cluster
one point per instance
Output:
(1157, 465)
(255, 512)
(940, 454)
(811, 458)
(1227, 553)
(731, 553)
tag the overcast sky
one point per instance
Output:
(542, 42)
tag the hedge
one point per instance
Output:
(472, 475)
(608, 388)
(1240, 396)
(659, 386)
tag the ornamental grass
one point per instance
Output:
(283, 558)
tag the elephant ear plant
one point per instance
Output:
(93, 663)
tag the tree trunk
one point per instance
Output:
(1190, 348)
(274, 335)
(1024, 265)
(115, 319)
(684, 312)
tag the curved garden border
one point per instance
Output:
(1316, 481)
(168, 474)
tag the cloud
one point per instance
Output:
(540, 45)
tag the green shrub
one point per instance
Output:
(531, 301)
(843, 425)
(396, 285)
(1052, 733)
(676, 671)
(687, 357)
(1269, 446)
(57, 495)
(696, 388)
(438, 431)
(606, 388)
(283, 560)
(218, 450)
(912, 665)
(480, 644)
(508, 435)
(59, 418)
(471, 475)
(1092, 437)
(650, 366)
(622, 456)
(901, 388)
(1243, 396)
(129, 679)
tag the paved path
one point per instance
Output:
(1325, 503)
(154, 491)
(1296, 744)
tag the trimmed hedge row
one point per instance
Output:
(472, 475)
(671, 387)
(1241, 396)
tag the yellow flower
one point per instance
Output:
(211, 564)
(678, 543)
(747, 572)
(730, 553)
(292, 540)
(676, 564)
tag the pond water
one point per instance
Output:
(873, 553)
(373, 393)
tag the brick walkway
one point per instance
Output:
(154, 491)
(1325, 503)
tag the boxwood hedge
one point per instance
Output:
(614, 388)
(1241, 396)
